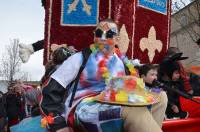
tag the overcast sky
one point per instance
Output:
(24, 20)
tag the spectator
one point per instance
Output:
(19, 90)
(14, 102)
(172, 78)
(32, 123)
(2, 113)
(174, 53)
(195, 83)
(32, 98)
(149, 73)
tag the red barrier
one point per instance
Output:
(191, 124)
(191, 107)
(182, 125)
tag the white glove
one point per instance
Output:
(25, 51)
(136, 62)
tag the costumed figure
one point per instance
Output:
(104, 63)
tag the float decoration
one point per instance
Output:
(151, 44)
(72, 22)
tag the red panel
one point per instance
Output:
(185, 125)
(79, 37)
(182, 125)
(123, 13)
(145, 19)
(192, 107)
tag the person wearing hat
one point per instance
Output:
(173, 53)
(171, 77)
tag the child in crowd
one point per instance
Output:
(171, 77)
(174, 52)
(149, 73)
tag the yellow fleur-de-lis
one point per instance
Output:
(151, 44)
(73, 5)
(86, 7)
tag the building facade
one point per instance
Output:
(185, 31)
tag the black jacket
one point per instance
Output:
(53, 103)
(173, 97)
(2, 105)
(13, 106)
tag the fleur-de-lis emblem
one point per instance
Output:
(73, 5)
(151, 44)
(124, 40)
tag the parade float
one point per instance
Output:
(144, 25)
(144, 31)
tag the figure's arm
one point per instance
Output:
(52, 103)
(38, 45)
(53, 99)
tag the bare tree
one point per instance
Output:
(188, 16)
(25, 76)
(10, 61)
(177, 5)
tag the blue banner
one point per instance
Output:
(80, 12)
(155, 5)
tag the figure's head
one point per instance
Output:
(148, 73)
(60, 55)
(106, 34)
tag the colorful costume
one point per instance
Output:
(91, 83)
(103, 63)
